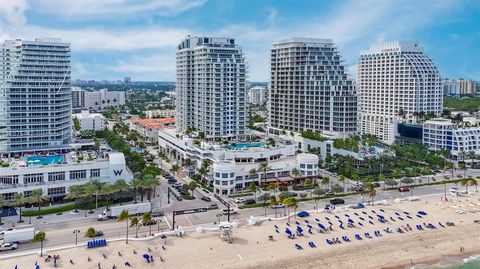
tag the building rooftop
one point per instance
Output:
(154, 123)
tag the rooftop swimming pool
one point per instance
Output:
(245, 145)
(44, 160)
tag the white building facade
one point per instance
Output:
(257, 95)
(35, 98)
(210, 89)
(55, 178)
(90, 121)
(443, 134)
(98, 99)
(396, 81)
(309, 89)
(160, 113)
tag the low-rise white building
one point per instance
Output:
(56, 173)
(90, 121)
(160, 113)
(230, 172)
(97, 100)
(444, 134)
(148, 128)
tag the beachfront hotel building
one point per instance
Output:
(231, 164)
(309, 89)
(90, 121)
(35, 97)
(210, 89)
(442, 133)
(396, 81)
(56, 173)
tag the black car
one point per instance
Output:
(337, 201)
(206, 199)
(171, 181)
(249, 202)
(376, 184)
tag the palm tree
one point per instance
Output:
(2, 203)
(473, 182)
(326, 181)
(264, 167)
(252, 187)
(253, 173)
(291, 202)
(463, 167)
(137, 184)
(192, 186)
(272, 201)
(465, 183)
(444, 182)
(147, 219)
(341, 178)
(317, 191)
(18, 201)
(38, 198)
(89, 190)
(271, 187)
(74, 193)
(381, 177)
(295, 173)
(174, 169)
(134, 222)
(370, 191)
(107, 190)
(187, 163)
(150, 183)
(121, 186)
(203, 172)
(39, 237)
(124, 217)
(451, 167)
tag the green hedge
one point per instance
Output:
(240, 195)
(187, 197)
(70, 207)
(253, 205)
(301, 188)
(438, 182)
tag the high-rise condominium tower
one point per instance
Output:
(210, 90)
(35, 98)
(309, 89)
(396, 81)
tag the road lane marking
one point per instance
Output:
(166, 220)
(188, 220)
(240, 256)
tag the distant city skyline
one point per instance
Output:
(114, 39)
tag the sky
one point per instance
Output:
(112, 39)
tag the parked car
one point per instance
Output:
(232, 212)
(158, 213)
(376, 184)
(293, 194)
(337, 201)
(404, 189)
(8, 246)
(240, 200)
(171, 181)
(177, 185)
(206, 199)
(249, 202)
(212, 206)
(150, 222)
(98, 233)
(278, 206)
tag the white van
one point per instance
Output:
(455, 192)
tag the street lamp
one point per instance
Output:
(76, 232)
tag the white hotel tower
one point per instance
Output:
(310, 90)
(35, 98)
(210, 90)
(395, 81)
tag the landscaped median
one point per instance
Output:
(300, 200)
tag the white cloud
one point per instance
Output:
(91, 8)
(12, 12)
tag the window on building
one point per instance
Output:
(56, 191)
(33, 178)
(302, 165)
(95, 173)
(78, 174)
(55, 176)
(9, 180)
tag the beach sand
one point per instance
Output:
(251, 247)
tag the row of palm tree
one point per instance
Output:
(36, 197)
(144, 184)
(134, 222)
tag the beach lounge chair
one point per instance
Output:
(317, 220)
(370, 217)
(276, 227)
(296, 222)
(363, 212)
(327, 218)
(367, 235)
(309, 226)
(450, 223)
(371, 222)
(359, 223)
(406, 213)
(337, 217)
(396, 213)
(373, 211)
(341, 226)
(358, 237)
(306, 221)
(330, 242)
(312, 245)
(400, 230)
(355, 213)
(346, 215)
(423, 213)
(310, 231)
(382, 210)
(388, 230)
(297, 246)
(392, 219)
(431, 226)
(419, 227)
(409, 217)
(362, 218)
(400, 218)
(441, 225)
(419, 216)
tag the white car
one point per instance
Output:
(239, 200)
(232, 212)
(8, 246)
(278, 206)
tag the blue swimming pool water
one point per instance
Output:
(245, 145)
(43, 160)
